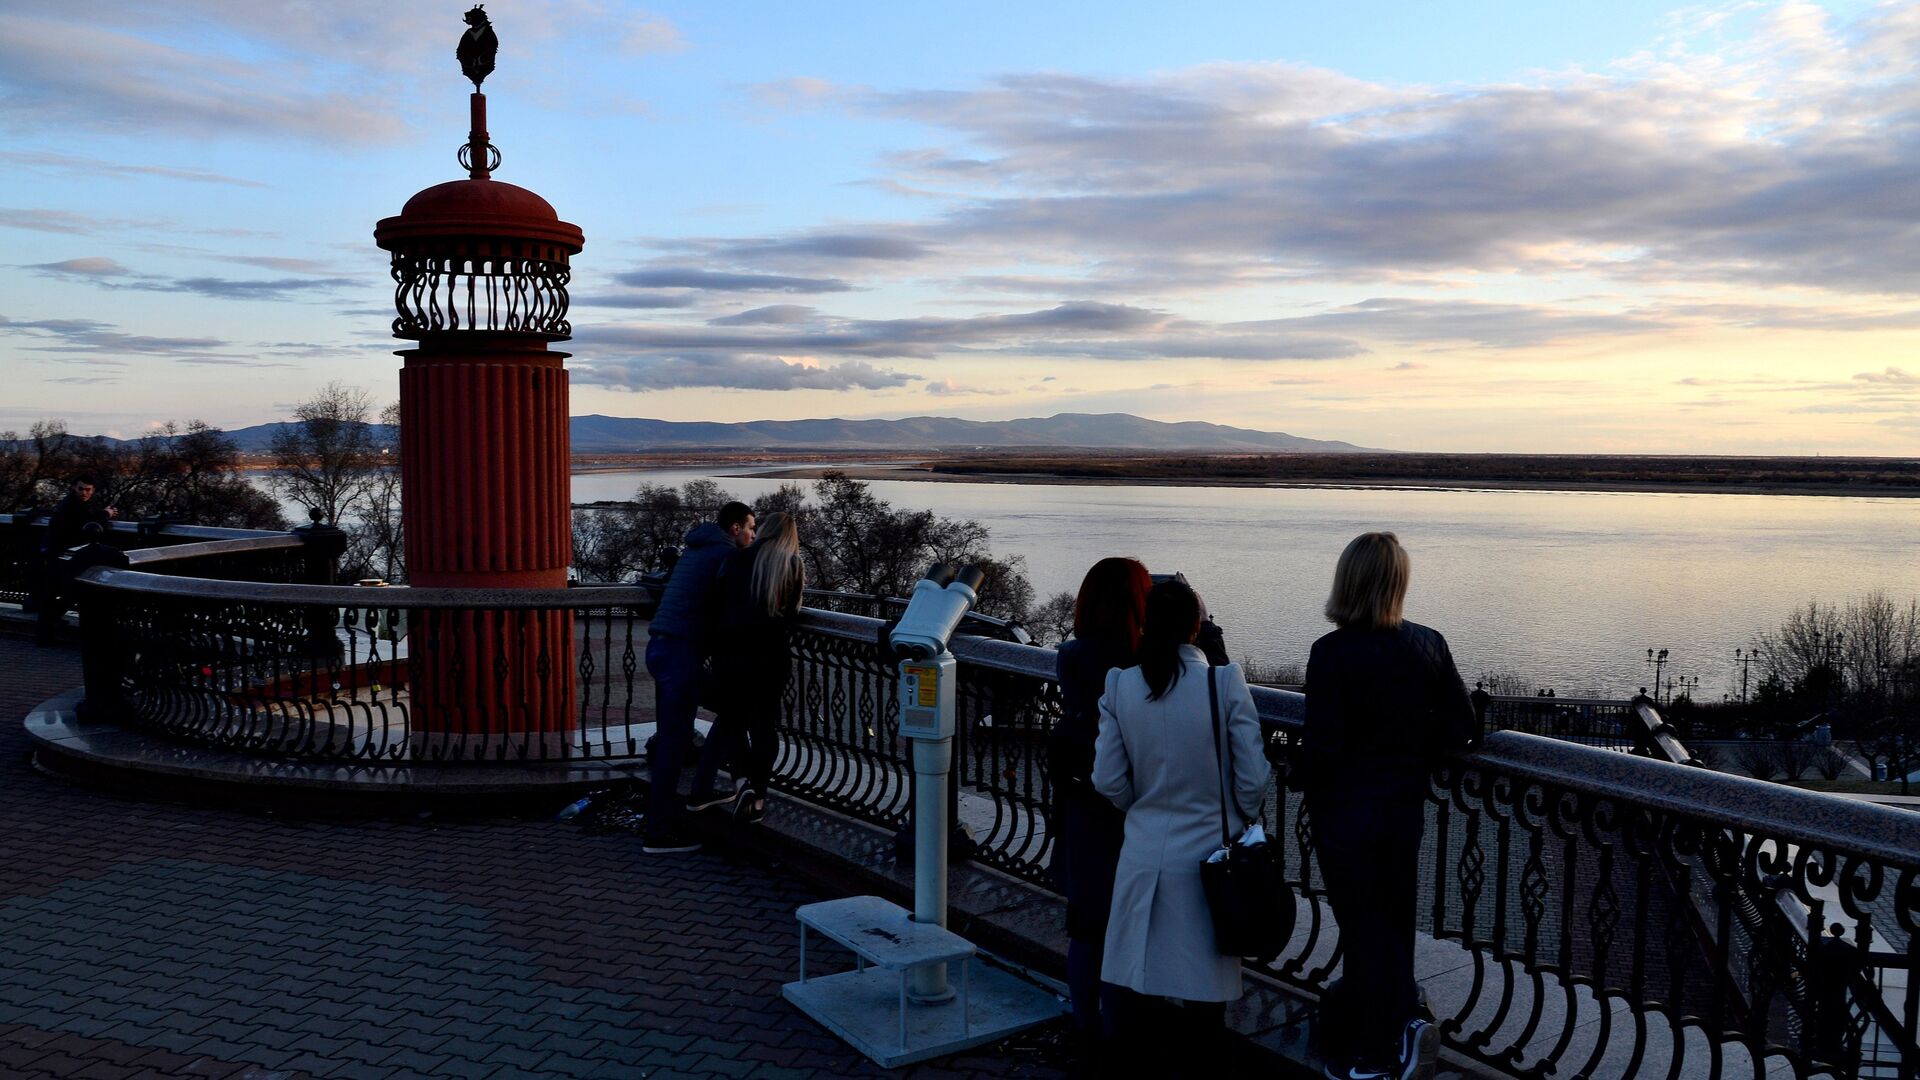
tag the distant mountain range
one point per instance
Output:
(1090, 431)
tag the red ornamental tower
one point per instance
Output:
(481, 272)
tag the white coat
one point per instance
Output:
(1155, 760)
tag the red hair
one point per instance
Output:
(1112, 604)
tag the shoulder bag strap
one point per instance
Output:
(1220, 756)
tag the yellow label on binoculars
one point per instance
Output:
(926, 682)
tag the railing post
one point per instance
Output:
(100, 638)
(324, 546)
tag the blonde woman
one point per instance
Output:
(757, 599)
(1384, 701)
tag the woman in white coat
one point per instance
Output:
(1155, 759)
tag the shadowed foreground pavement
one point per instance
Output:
(158, 939)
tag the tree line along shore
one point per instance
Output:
(1759, 475)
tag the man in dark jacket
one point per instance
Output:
(66, 529)
(677, 647)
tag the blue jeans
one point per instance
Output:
(674, 663)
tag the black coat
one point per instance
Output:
(1087, 829)
(1382, 706)
(71, 515)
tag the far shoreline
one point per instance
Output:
(921, 472)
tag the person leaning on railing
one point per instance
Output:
(757, 601)
(1384, 700)
(65, 529)
(678, 641)
(1108, 613)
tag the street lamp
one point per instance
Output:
(1689, 684)
(1658, 660)
(1745, 661)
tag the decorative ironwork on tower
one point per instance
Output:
(478, 254)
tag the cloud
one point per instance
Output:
(949, 388)
(281, 263)
(1468, 322)
(1891, 376)
(71, 72)
(94, 342)
(635, 300)
(732, 371)
(1073, 328)
(771, 315)
(1406, 365)
(687, 277)
(107, 273)
(90, 266)
(798, 92)
(275, 289)
(53, 221)
(651, 34)
(1771, 160)
(85, 166)
(828, 246)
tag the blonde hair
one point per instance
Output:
(1370, 583)
(777, 573)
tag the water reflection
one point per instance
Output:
(1570, 588)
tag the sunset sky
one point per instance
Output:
(1612, 227)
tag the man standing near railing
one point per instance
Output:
(677, 648)
(65, 529)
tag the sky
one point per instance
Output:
(1620, 227)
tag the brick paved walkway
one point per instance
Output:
(149, 939)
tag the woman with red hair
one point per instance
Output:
(1107, 618)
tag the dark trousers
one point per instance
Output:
(1161, 1037)
(1369, 854)
(746, 733)
(1096, 1004)
(674, 663)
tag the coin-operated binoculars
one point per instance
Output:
(927, 691)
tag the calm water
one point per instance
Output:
(1568, 588)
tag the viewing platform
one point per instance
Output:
(1607, 910)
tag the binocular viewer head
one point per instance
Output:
(939, 601)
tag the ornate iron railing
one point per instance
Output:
(22, 565)
(345, 673)
(1610, 724)
(1613, 914)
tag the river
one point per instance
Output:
(1567, 588)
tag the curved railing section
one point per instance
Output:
(368, 674)
(1612, 914)
(232, 554)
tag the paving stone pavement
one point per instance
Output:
(144, 938)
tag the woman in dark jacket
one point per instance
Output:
(1384, 701)
(1107, 619)
(756, 598)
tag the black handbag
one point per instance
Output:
(1251, 905)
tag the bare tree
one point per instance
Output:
(188, 473)
(32, 467)
(191, 474)
(1052, 619)
(325, 459)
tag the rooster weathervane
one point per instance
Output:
(477, 46)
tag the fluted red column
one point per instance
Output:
(484, 460)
